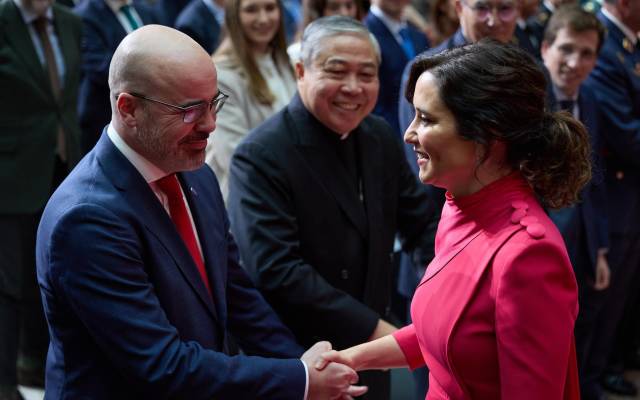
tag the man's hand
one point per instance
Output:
(603, 273)
(340, 357)
(334, 381)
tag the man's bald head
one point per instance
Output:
(151, 58)
(157, 72)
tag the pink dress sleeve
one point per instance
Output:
(408, 342)
(536, 307)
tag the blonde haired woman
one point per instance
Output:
(253, 68)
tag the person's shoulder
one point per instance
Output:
(194, 9)
(534, 232)
(91, 7)
(68, 19)
(273, 133)
(227, 67)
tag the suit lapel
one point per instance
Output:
(390, 39)
(17, 34)
(441, 260)
(208, 241)
(315, 145)
(142, 199)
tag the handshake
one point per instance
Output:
(330, 379)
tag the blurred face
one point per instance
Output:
(630, 10)
(260, 20)
(38, 7)
(570, 58)
(445, 159)
(340, 87)
(487, 18)
(162, 136)
(528, 8)
(340, 7)
(393, 8)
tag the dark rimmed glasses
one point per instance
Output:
(505, 11)
(191, 114)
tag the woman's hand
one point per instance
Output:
(339, 357)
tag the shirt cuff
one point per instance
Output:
(306, 384)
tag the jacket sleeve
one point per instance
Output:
(264, 223)
(408, 342)
(252, 321)
(96, 266)
(536, 306)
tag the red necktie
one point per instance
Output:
(180, 217)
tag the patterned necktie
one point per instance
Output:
(126, 10)
(41, 25)
(180, 217)
(407, 44)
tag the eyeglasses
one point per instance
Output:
(505, 11)
(191, 114)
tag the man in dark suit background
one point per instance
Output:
(39, 143)
(399, 42)
(105, 24)
(615, 80)
(167, 11)
(138, 272)
(318, 192)
(202, 20)
(570, 49)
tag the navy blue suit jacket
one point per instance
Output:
(586, 223)
(528, 40)
(128, 313)
(101, 35)
(615, 80)
(394, 59)
(168, 10)
(197, 21)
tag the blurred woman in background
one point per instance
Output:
(254, 70)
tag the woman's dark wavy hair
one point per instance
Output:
(497, 92)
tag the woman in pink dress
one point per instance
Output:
(493, 316)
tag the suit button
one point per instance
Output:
(344, 274)
(619, 175)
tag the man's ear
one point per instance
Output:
(126, 107)
(300, 70)
(544, 46)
